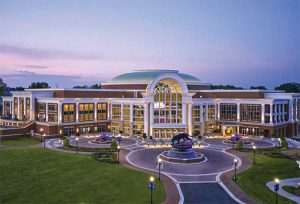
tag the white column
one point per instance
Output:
(146, 122)
(47, 116)
(238, 112)
(95, 111)
(219, 110)
(108, 111)
(122, 111)
(297, 110)
(18, 108)
(151, 118)
(131, 113)
(59, 113)
(190, 121)
(184, 113)
(290, 111)
(206, 112)
(275, 113)
(271, 113)
(201, 113)
(32, 109)
(77, 112)
(24, 107)
(283, 112)
(13, 109)
(262, 113)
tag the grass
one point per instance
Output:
(253, 181)
(292, 190)
(35, 175)
(19, 142)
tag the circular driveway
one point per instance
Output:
(258, 143)
(217, 161)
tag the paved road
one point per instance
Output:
(205, 193)
(258, 142)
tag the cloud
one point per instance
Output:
(33, 66)
(25, 78)
(36, 53)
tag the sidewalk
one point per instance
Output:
(286, 182)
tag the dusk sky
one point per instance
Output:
(73, 42)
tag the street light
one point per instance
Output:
(235, 161)
(280, 141)
(77, 144)
(159, 164)
(44, 140)
(151, 186)
(118, 148)
(254, 148)
(276, 188)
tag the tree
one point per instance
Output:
(2, 87)
(95, 86)
(227, 87)
(289, 87)
(81, 87)
(258, 87)
(39, 85)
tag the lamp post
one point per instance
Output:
(159, 164)
(77, 144)
(44, 140)
(41, 133)
(151, 186)
(235, 161)
(254, 148)
(276, 188)
(247, 131)
(279, 139)
(118, 149)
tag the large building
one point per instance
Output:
(159, 103)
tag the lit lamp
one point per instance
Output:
(76, 144)
(276, 188)
(159, 164)
(118, 149)
(254, 148)
(235, 161)
(151, 186)
(280, 141)
(247, 131)
(44, 139)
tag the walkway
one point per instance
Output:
(286, 182)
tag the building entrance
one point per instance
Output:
(166, 133)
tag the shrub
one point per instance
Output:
(144, 136)
(105, 156)
(195, 133)
(66, 142)
(240, 145)
(114, 146)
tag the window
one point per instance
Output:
(138, 129)
(101, 111)
(126, 112)
(116, 111)
(196, 114)
(101, 128)
(250, 113)
(68, 112)
(138, 113)
(86, 111)
(116, 127)
(167, 102)
(228, 111)
(211, 112)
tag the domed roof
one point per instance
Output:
(146, 76)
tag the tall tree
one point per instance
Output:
(81, 87)
(2, 87)
(258, 87)
(289, 87)
(39, 85)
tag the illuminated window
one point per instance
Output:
(68, 112)
(86, 111)
(102, 111)
(116, 111)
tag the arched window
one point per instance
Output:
(167, 102)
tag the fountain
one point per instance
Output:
(182, 151)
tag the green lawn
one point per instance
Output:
(253, 181)
(35, 175)
(292, 190)
(19, 142)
